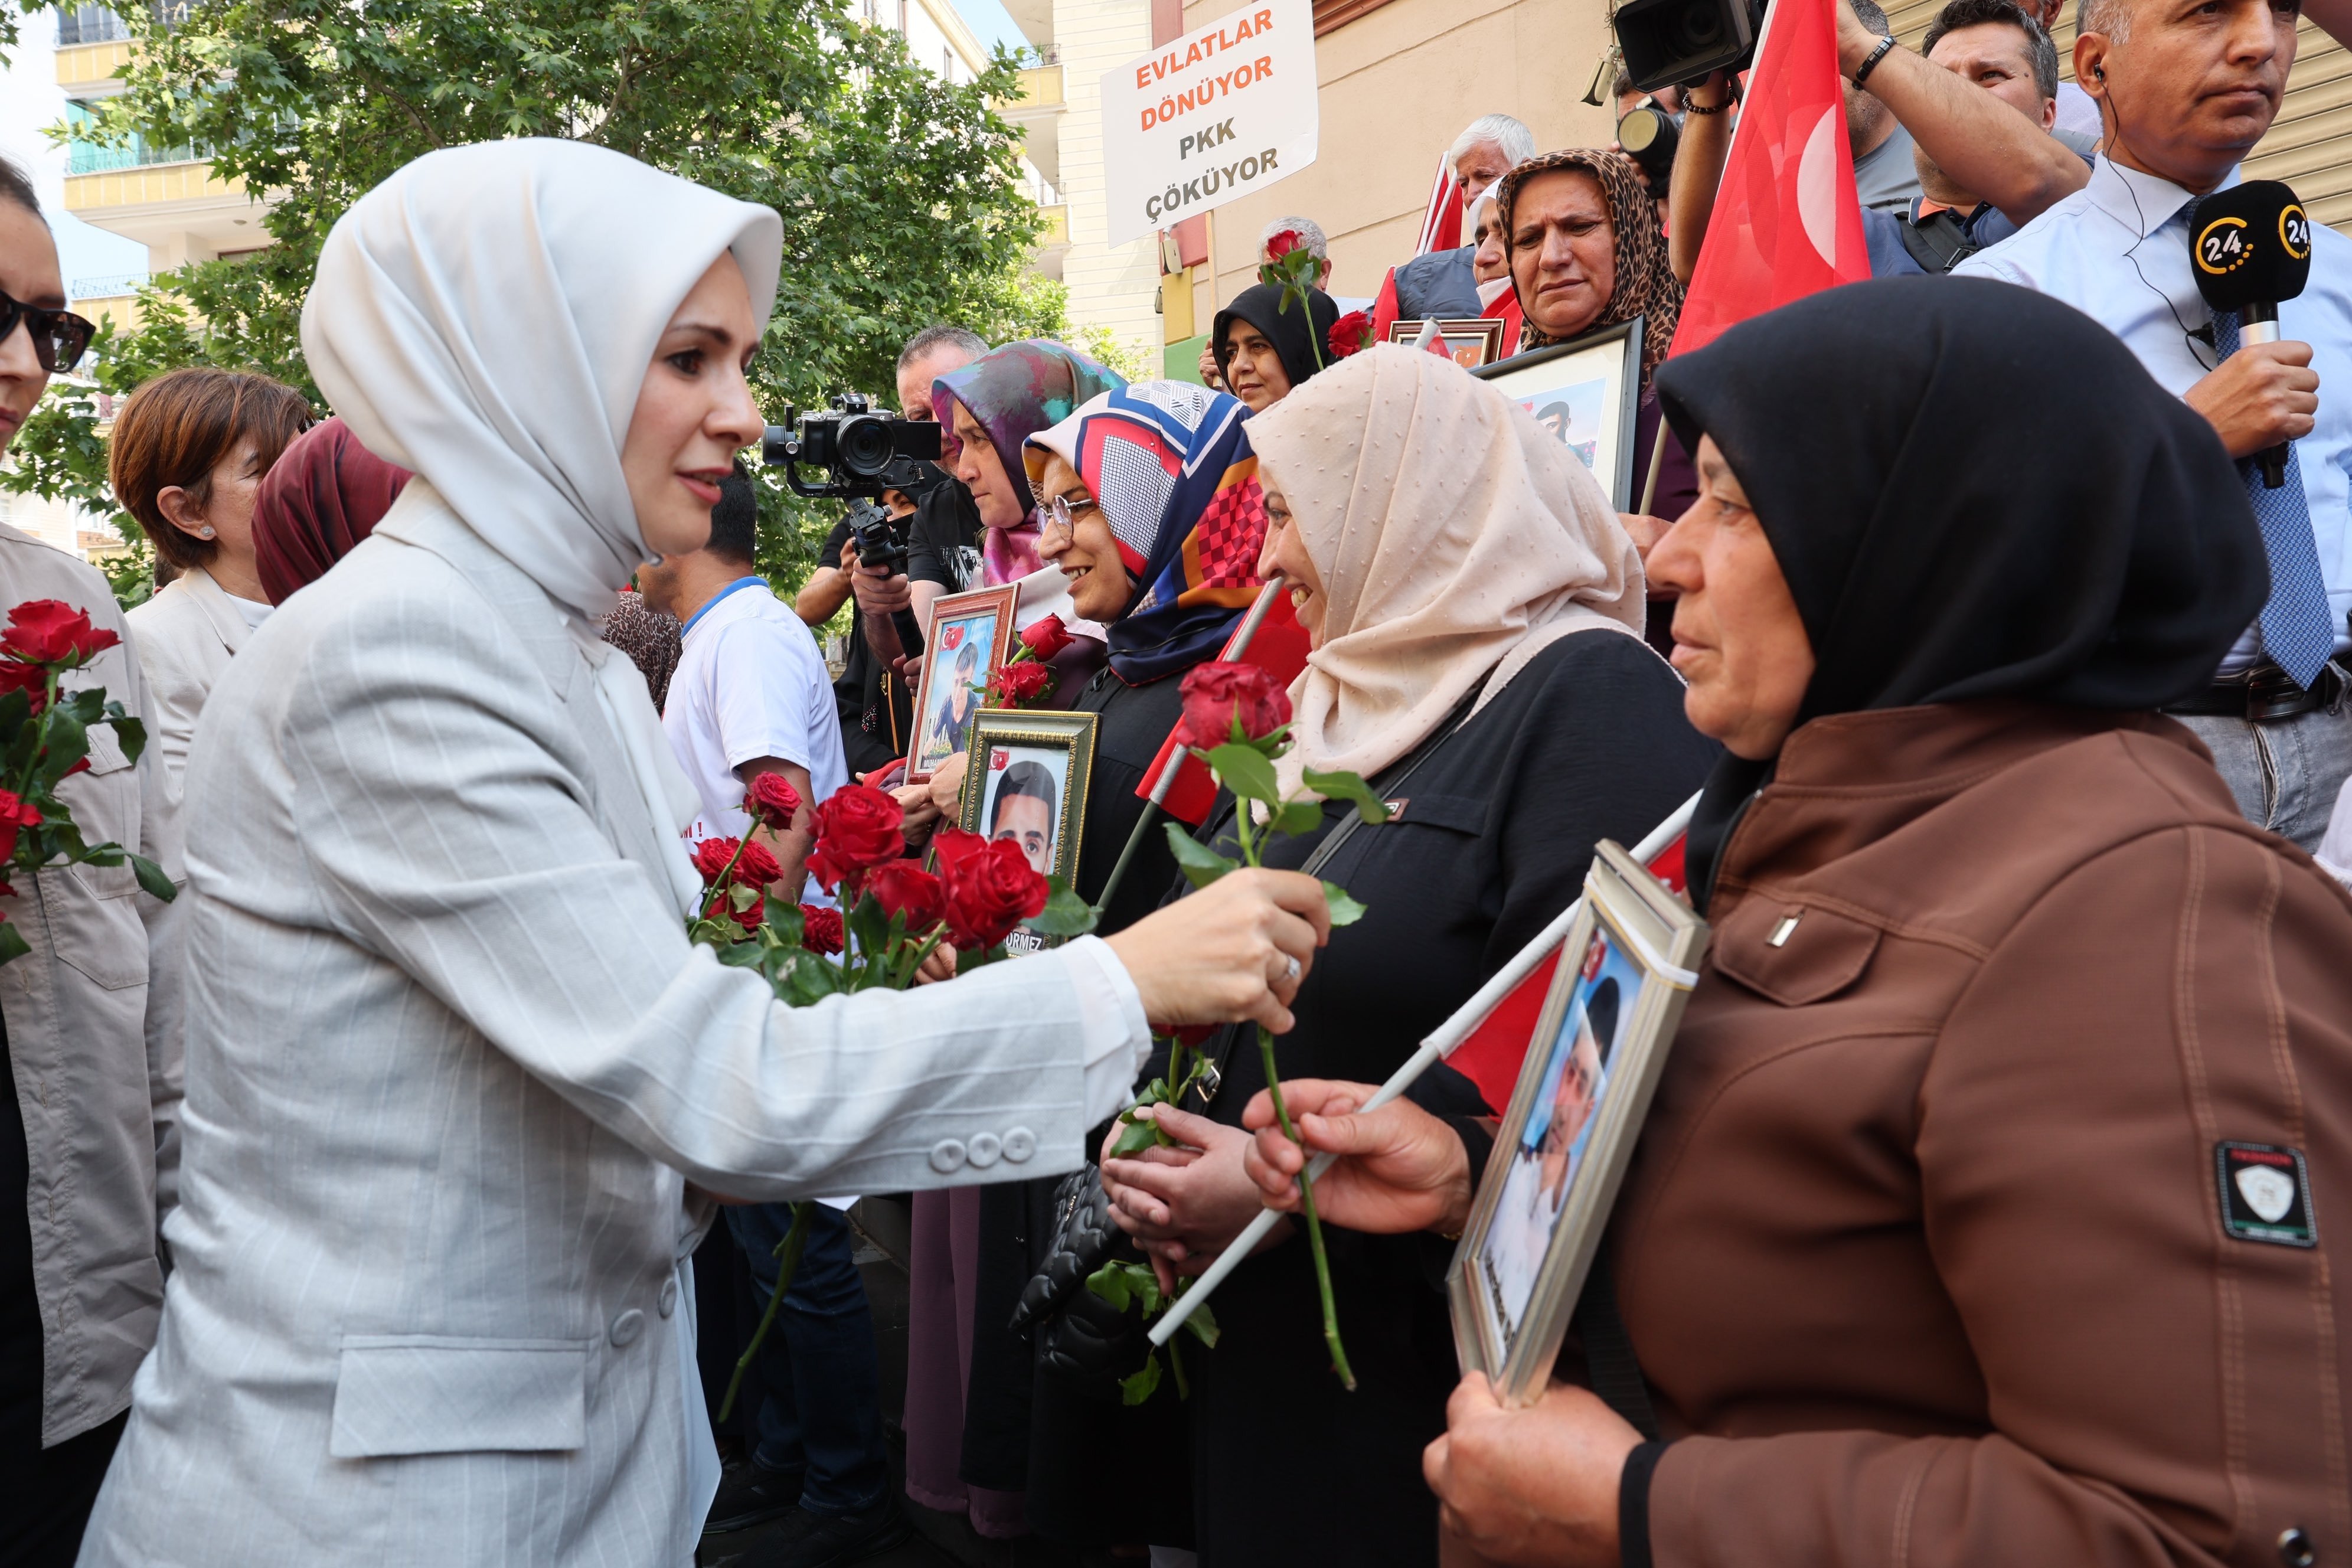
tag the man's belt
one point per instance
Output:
(2266, 694)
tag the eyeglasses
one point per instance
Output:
(58, 336)
(1060, 517)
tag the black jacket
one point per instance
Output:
(1493, 841)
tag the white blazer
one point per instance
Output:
(185, 636)
(451, 1063)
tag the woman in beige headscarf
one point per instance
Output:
(1487, 644)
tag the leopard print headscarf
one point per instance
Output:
(1645, 285)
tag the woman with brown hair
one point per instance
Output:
(189, 452)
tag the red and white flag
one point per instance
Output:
(1441, 225)
(1786, 223)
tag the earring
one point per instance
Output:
(205, 531)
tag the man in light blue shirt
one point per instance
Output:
(2186, 94)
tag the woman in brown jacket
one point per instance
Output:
(1976, 1220)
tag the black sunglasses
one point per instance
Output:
(58, 336)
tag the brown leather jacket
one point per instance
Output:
(1924, 1248)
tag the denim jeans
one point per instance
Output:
(821, 1416)
(2285, 774)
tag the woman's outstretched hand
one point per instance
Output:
(1232, 953)
(1401, 1168)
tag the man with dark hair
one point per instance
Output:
(2187, 93)
(1024, 811)
(1976, 110)
(749, 697)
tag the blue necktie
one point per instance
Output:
(2298, 629)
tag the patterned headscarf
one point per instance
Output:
(1169, 463)
(1645, 285)
(1014, 393)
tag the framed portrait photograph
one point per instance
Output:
(1625, 970)
(1027, 783)
(1472, 340)
(1584, 394)
(970, 635)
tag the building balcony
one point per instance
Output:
(181, 211)
(1038, 113)
(87, 158)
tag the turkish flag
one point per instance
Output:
(1491, 1055)
(1279, 648)
(1441, 224)
(1786, 223)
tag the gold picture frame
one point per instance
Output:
(972, 632)
(1471, 341)
(1018, 755)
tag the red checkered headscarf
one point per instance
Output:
(1169, 463)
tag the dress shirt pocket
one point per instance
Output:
(1463, 813)
(105, 804)
(425, 1393)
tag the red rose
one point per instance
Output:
(1215, 693)
(1281, 243)
(955, 845)
(903, 888)
(16, 814)
(772, 802)
(1013, 684)
(757, 869)
(820, 928)
(29, 678)
(1352, 335)
(857, 828)
(50, 631)
(1047, 637)
(989, 891)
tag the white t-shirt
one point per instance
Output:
(751, 683)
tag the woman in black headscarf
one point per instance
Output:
(1265, 350)
(1973, 1219)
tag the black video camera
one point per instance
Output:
(862, 451)
(1671, 42)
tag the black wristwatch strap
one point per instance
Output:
(1633, 1505)
(1871, 64)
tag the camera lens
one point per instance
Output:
(865, 445)
(1697, 28)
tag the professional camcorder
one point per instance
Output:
(1667, 42)
(863, 451)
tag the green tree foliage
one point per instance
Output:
(899, 192)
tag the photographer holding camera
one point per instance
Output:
(911, 553)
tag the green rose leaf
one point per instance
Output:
(12, 943)
(1199, 864)
(1140, 1387)
(151, 876)
(1299, 816)
(1351, 788)
(869, 928)
(1202, 1324)
(129, 733)
(1346, 909)
(736, 954)
(1065, 914)
(1109, 1282)
(1135, 1137)
(1244, 771)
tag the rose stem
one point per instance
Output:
(1314, 1226)
(789, 1251)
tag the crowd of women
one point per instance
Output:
(1926, 1250)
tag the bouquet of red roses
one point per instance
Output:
(45, 740)
(898, 915)
(1026, 677)
(1237, 721)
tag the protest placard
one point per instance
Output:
(1227, 109)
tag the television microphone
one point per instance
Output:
(2249, 247)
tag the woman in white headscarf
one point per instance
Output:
(1477, 655)
(451, 1060)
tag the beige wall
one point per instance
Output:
(1114, 287)
(1397, 86)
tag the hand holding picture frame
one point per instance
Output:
(1586, 394)
(970, 635)
(1626, 967)
(1027, 782)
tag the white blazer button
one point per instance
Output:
(669, 1295)
(626, 1328)
(985, 1148)
(948, 1156)
(1020, 1145)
